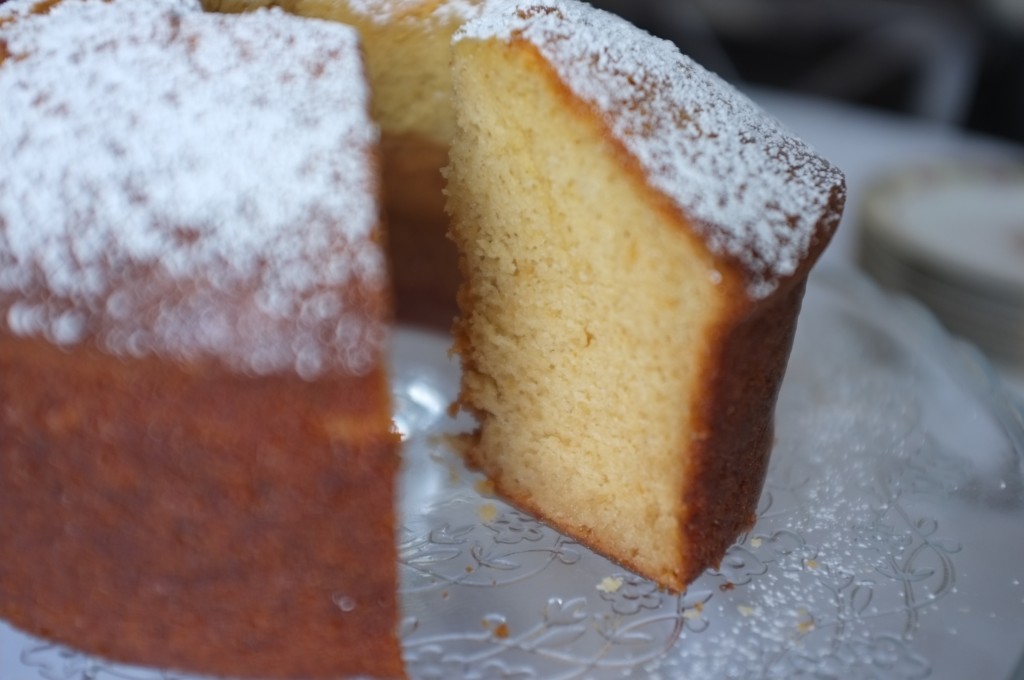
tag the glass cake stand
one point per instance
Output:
(889, 544)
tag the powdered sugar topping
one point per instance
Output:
(225, 155)
(754, 191)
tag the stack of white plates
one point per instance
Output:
(952, 235)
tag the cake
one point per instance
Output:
(407, 46)
(635, 238)
(197, 460)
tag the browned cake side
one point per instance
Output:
(197, 460)
(190, 518)
(727, 468)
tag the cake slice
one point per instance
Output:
(197, 460)
(635, 238)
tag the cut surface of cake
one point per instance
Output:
(197, 459)
(635, 238)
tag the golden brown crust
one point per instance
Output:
(730, 456)
(191, 515)
(424, 262)
(195, 519)
(743, 380)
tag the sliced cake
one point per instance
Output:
(635, 238)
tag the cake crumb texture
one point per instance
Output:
(575, 311)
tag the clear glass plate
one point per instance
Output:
(889, 545)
